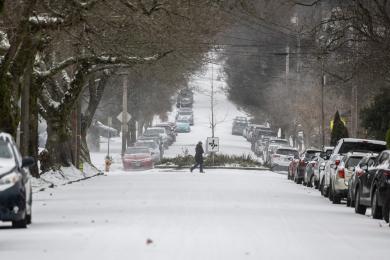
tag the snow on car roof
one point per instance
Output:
(357, 140)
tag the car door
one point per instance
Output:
(367, 182)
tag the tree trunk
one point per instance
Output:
(33, 124)
(59, 142)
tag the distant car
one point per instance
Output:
(137, 158)
(15, 184)
(158, 132)
(238, 127)
(154, 148)
(302, 162)
(368, 161)
(282, 157)
(170, 131)
(310, 179)
(373, 189)
(183, 126)
(185, 115)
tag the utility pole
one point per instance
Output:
(322, 102)
(212, 102)
(124, 114)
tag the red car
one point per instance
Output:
(137, 158)
(292, 169)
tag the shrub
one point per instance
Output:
(339, 130)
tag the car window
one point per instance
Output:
(352, 161)
(5, 150)
(361, 147)
(384, 157)
(135, 150)
(288, 152)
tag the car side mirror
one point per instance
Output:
(28, 162)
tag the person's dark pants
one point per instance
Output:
(200, 164)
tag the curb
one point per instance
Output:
(52, 185)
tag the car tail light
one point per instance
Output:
(359, 172)
(341, 173)
(302, 162)
(386, 173)
(337, 162)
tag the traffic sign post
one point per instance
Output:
(212, 144)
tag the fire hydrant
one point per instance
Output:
(107, 163)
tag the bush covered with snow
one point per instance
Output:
(219, 160)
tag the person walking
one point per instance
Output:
(198, 157)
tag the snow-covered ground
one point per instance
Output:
(223, 214)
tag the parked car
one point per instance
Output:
(15, 184)
(282, 157)
(158, 132)
(319, 166)
(338, 188)
(273, 141)
(373, 188)
(345, 146)
(170, 131)
(154, 148)
(183, 126)
(137, 158)
(369, 161)
(185, 98)
(238, 127)
(310, 179)
(302, 162)
(185, 115)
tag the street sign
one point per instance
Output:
(212, 144)
(120, 117)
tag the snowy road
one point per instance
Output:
(220, 215)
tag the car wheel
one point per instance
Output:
(312, 182)
(376, 210)
(359, 209)
(349, 202)
(330, 192)
(20, 223)
(386, 211)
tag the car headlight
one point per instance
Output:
(11, 178)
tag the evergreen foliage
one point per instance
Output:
(376, 117)
(339, 130)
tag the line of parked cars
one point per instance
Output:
(355, 170)
(150, 146)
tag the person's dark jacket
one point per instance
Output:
(199, 153)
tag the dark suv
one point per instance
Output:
(15, 184)
(373, 188)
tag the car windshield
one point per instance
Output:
(185, 113)
(152, 145)
(361, 147)
(135, 150)
(353, 161)
(288, 152)
(154, 131)
(5, 151)
(311, 153)
(279, 142)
